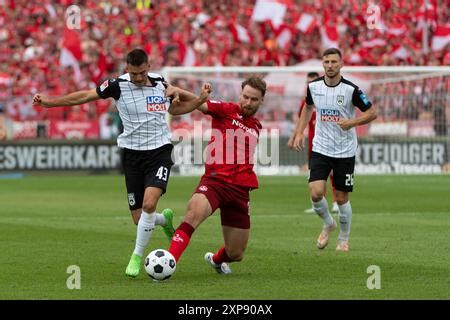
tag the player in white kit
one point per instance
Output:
(335, 142)
(142, 99)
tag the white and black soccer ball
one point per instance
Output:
(160, 264)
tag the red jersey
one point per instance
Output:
(230, 152)
(311, 127)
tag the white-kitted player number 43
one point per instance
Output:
(162, 173)
(349, 179)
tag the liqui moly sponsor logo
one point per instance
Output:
(156, 103)
(329, 115)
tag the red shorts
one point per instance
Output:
(233, 201)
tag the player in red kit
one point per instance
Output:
(229, 175)
(311, 129)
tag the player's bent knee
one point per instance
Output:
(149, 206)
(341, 198)
(316, 194)
(316, 197)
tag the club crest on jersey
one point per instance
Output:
(156, 103)
(131, 199)
(340, 100)
(329, 115)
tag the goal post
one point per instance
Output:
(410, 135)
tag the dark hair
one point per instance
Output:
(332, 51)
(312, 74)
(137, 57)
(256, 83)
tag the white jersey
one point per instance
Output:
(142, 111)
(332, 104)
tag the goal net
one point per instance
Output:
(409, 136)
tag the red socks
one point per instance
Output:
(180, 240)
(221, 256)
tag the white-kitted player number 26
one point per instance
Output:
(162, 173)
(349, 179)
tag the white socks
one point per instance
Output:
(345, 216)
(345, 219)
(160, 220)
(321, 208)
(144, 231)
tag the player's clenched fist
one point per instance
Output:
(206, 91)
(40, 100)
(345, 124)
(172, 91)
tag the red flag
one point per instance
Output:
(396, 29)
(400, 52)
(71, 51)
(306, 23)
(284, 36)
(372, 43)
(241, 33)
(441, 37)
(330, 37)
(71, 41)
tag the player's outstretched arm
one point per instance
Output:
(177, 94)
(188, 102)
(71, 99)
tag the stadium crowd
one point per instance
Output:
(33, 37)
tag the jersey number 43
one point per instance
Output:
(162, 173)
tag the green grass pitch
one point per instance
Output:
(400, 224)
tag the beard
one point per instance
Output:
(247, 112)
(332, 75)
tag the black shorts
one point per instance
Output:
(150, 168)
(343, 169)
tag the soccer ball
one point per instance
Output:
(160, 264)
